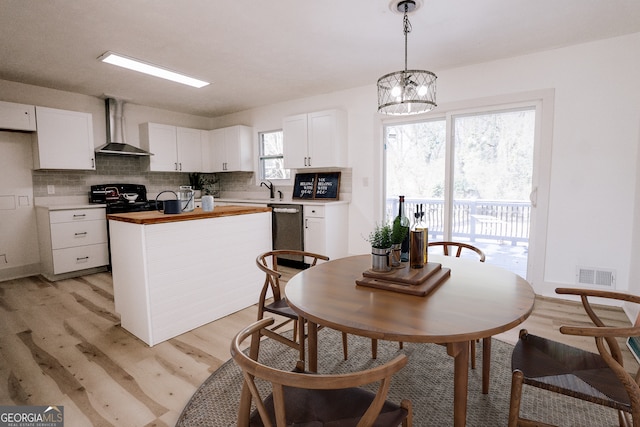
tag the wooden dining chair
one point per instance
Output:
(598, 378)
(277, 304)
(458, 249)
(448, 249)
(300, 398)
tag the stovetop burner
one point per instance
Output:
(121, 198)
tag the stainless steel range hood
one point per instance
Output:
(116, 143)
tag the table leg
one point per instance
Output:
(460, 353)
(486, 364)
(313, 346)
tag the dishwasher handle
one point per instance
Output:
(286, 210)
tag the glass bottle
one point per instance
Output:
(404, 221)
(418, 240)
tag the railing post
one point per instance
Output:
(473, 209)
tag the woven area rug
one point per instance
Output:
(427, 380)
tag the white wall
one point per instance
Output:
(134, 114)
(19, 254)
(594, 155)
(594, 218)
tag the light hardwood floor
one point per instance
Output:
(61, 344)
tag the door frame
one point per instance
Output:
(543, 101)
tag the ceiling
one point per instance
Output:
(262, 52)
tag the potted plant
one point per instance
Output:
(197, 182)
(201, 183)
(398, 234)
(380, 240)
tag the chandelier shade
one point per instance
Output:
(408, 91)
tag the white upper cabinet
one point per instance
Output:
(231, 149)
(161, 141)
(189, 146)
(315, 140)
(175, 149)
(17, 116)
(64, 140)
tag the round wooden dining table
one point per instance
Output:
(477, 300)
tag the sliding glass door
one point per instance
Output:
(471, 173)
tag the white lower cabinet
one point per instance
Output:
(72, 241)
(325, 229)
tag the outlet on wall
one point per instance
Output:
(51, 189)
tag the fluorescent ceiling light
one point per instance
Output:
(154, 70)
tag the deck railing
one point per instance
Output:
(499, 221)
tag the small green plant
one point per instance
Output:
(380, 237)
(398, 232)
(197, 181)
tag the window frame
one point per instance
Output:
(262, 157)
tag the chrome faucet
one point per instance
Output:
(270, 187)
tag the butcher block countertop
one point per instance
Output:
(157, 217)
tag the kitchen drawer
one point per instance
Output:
(314, 211)
(80, 258)
(79, 233)
(76, 215)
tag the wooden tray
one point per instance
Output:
(422, 289)
(406, 275)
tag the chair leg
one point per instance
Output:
(486, 364)
(374, 348)
(244, 410)
(400, 345)
(300, 327)
(344, 345)
(623, 419)
(406, 404)
(472, 353)
(517, 379)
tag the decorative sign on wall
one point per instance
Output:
(321, 185)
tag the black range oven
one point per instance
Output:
(121, 198)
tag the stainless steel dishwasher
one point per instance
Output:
(287, 230)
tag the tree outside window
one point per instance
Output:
(272, 156)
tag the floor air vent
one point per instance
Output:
(597, 277)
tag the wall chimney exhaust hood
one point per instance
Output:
(116, 143)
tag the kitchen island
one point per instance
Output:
(174, 273)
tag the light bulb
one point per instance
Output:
(422, 90)
(396, 91)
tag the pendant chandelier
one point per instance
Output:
(409, 91)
